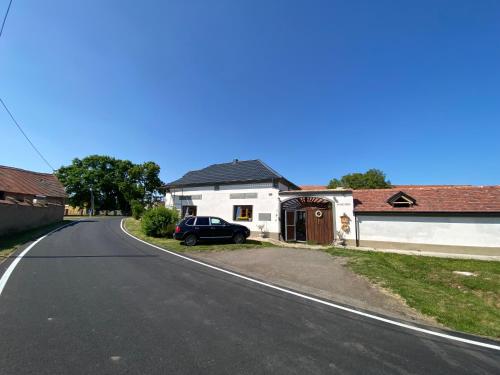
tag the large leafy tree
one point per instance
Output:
(115, 183)
(371, 179)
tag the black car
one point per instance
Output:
(195, 228)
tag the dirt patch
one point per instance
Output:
(316, 273)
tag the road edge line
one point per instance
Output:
(6, 275)
(331, 304)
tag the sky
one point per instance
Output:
(316, 89)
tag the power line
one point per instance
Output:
(5, 18)
(7, 109)
(25, 136)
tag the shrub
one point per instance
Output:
(158, 221)
(137, 209)
(169, 232)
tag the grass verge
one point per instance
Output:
(10, 243)
(465, 303)
(134, 227)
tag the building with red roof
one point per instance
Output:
(29, 199)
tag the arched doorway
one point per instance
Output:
(307, 219)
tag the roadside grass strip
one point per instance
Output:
(462, 294)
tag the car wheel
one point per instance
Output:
(190, 240)
(239, 238)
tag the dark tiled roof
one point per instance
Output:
(237, 171)
(14, 180)
(454, 199)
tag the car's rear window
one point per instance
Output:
(202, 221)
(190, 221)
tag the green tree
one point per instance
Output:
(115, 183)
(371, 179)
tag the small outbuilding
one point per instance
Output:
(433, 218)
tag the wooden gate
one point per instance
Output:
(319, 226)
(319, 219)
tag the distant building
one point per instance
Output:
(434, 218)
(26, 186)
(29, 199)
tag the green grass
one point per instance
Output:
(134, 227)
(10, 243)
(468, 304)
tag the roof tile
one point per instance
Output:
(463, 198)
(14, 180)
(236, 171)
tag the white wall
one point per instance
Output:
(344, 205)
(432, 230)
(217, 203)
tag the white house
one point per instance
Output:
(435, 218)
(252, 193)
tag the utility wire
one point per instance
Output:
(7, 109)
(5, 18)
(25, 136)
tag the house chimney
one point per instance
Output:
(235, 161)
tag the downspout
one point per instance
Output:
(334, 214)
(280, 218)
(356, 228)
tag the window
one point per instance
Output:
(2, 195)
(216, 187)
(190, 221)
(202, 221)
(188, 211)
(243, 213)
(401, 200)
(216, 221)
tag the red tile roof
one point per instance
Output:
(446, 198)
(14, 180)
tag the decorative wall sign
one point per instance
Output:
(345, 223)
(318, 213)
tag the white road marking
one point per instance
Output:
(375, 317)
(10, 269)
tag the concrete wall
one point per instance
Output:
(435, 231)
(19, 217)
(218, 203)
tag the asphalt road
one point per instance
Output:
(88, 299)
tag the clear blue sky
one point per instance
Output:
(316, 89)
